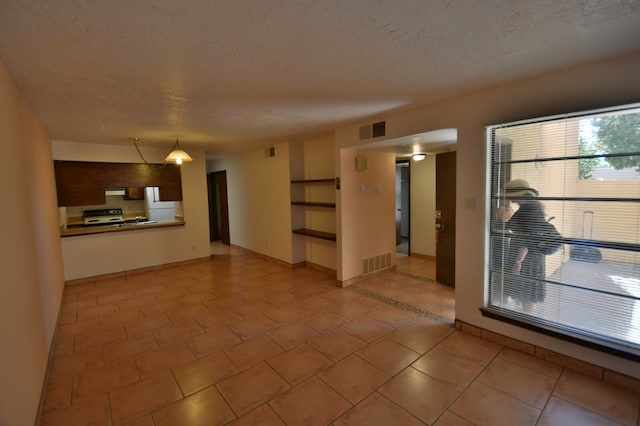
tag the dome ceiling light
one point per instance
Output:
(418, 156)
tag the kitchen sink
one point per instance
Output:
(146, 222)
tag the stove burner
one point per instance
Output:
(103, 217)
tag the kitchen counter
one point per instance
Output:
(129, 226)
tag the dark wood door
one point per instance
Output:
(218, 207)
(446, 218)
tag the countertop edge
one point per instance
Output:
(75, 232)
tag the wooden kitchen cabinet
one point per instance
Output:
(82, 183)
(134, 193)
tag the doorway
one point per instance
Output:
(446, 218)
(403, 207)
(218, 207)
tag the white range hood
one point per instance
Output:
(114, 191)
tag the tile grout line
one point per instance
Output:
(398, 304)
(555, 385)
(475, 379)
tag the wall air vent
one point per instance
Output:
(270, 152)
(373, 130)
(376, 263)
(365, 132)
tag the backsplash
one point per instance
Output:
(113, 201)
(75, 214)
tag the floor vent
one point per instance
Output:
(376, 263)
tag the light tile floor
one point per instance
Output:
(241, 340)
(417, 266)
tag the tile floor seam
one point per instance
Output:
(551, 395)
(367, 395)
(397, 405)
(523, 365)
(497, 389)
(175, 379)
(462, 392)
(268, 404)
(393, 376)
(597, 413)
(110, 410)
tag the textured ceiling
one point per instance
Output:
(234, 74)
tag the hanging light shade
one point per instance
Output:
(177, 155)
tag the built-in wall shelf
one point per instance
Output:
(329, 205)
(323, 181)
(316, 234)
(313, 204)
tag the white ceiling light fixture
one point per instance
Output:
(177, 155)
(418, 157)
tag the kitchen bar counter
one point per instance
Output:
(129, 226)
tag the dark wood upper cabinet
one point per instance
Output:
(134, 193)
(81, 183)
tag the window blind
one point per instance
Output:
(581, 173)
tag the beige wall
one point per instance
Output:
(259, 200)
(367, 219)
(599, 85)
(98, 254)
(31, 264)
(259, 188)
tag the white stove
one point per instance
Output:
(103, 217)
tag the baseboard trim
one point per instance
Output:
(354, 280)
(296, 265)
(131, 272)
(571, 363)
(422, 256)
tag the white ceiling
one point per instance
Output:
(235, 74)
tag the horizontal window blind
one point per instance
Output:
(580, 173)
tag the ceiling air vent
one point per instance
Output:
(365, 132)
(379, 129)
(373, 130)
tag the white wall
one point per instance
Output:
(31, 261)
(99, 254)
(582, 88)
(258, 190)
(423, 206)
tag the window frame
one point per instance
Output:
(494, 182)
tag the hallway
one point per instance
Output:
(241, 340)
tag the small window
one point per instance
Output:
(579, 173)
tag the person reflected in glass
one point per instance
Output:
(525, 261)
(500, 245)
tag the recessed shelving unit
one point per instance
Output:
(322, 181)
(313, 204)
(329, 205)
(316, 234)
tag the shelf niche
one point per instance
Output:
(315, 234)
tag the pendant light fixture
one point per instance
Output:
(177, 155)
